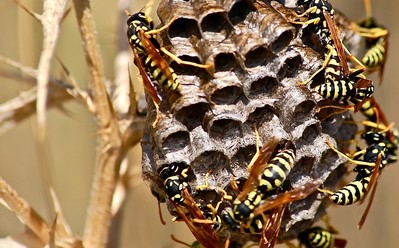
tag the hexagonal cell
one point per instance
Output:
(224, 128)
(164, 127)
(225, 62)
(224, 88)
(325, 166)
(239, 11)
(226, 95)
(244, 156)
(309, 134)
(216, 23)
(184, 27)
(265, 86)
(210, 160)
(303, 110)
(290, 67)
(191, 116)
(302, 166)
(282, 41)
(176, 141)
(292, 105)
(261, 115)
(258, 56)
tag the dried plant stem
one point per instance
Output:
(106, 175)
(27, 215)
(51, 18)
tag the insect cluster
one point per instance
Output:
(237, 143)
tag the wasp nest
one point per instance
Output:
(258, 57)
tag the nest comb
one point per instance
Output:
(258, 57)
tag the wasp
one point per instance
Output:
(318, 237)
(314, 10)
(269, 204)
(147, 52)
(341, 84)
(273, 175)
(375, 158)
(267, 173)
(378, 122)
(354, 191)
(376, 41)
(175, 181)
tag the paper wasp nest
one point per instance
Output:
(258, 59)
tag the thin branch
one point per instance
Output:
(109, 160)
(51, 18)
(23, 106)
(27, 215)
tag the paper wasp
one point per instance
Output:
(255, 210)
(341, 84)
(314, 10)
(273, 173)
(148, 57)
(368, 169)
(378, 128)
(318, 237)
(376, 41)
(266, 174)
(175, 181)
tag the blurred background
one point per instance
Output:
(68, 162)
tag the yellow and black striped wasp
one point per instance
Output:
(271, 174)
(382, 144)
(174, 178)
(341, 84)
(254, 210)
(369, 164)
(314, 10)
(318, 237)
(376, 41)
(378, 122)
(148, 55)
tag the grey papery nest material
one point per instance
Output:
(259, 57)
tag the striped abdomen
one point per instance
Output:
(368, 110)
(333, 70)
(352, 192)
(317, 237)
(375, 56)
(277, 170)
(344, 91)
(321, 27)
(166, 77)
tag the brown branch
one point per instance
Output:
(107, 171)
(27, 215)
(21, 107)
(51, 19)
